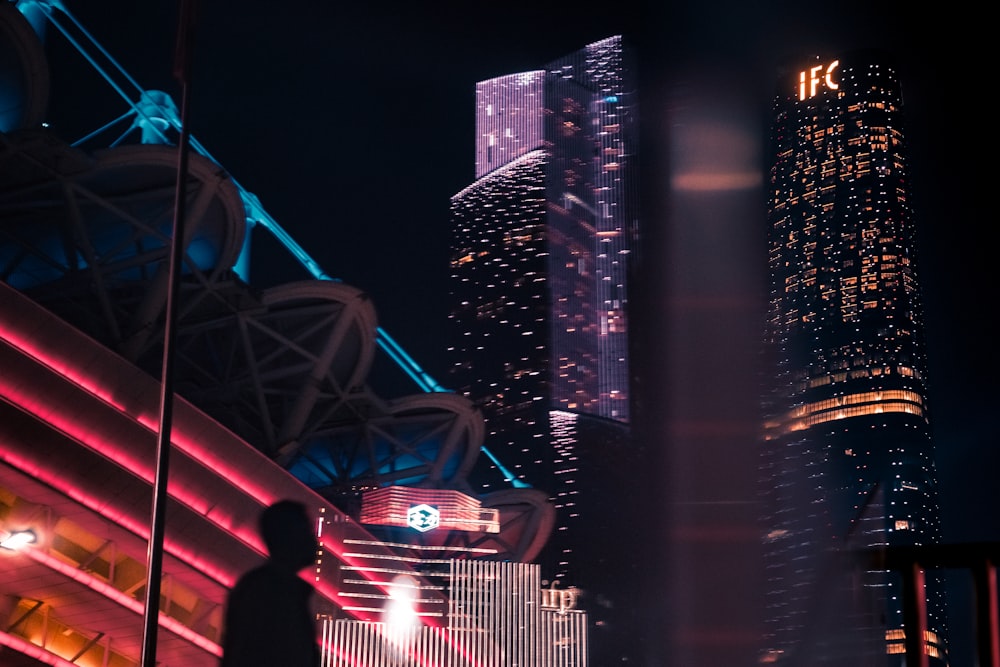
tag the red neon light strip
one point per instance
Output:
(129, 458)
(24, 647)
(204, 455)
(64, 368)
(121, 599)
(51, 477)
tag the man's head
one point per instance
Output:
(288, 534)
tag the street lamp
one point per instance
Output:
(17, 539)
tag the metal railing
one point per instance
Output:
(980, 559)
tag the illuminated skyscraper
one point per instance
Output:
(848, 453)
(541, 245)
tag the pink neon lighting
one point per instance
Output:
(24, 647)
(51, 477)
(38, 404)
(116, 596)
(100, 505)
(131, 460)
(127, 458)
(263, 494)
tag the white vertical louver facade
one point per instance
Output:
(496, 619)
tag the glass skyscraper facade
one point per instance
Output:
(848, 456)
(541, 245)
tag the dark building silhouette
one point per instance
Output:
(848, 460)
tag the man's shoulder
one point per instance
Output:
(265, 578)
(257, 578)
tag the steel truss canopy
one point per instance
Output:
(275, 383)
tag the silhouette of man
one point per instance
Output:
(268, 617)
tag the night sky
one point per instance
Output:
(354, 125)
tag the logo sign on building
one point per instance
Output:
(423, 518)
(811, 79)
(562, 599)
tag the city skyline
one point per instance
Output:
(245, 90)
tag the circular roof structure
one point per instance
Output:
(24, 72)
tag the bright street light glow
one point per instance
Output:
(18, 539)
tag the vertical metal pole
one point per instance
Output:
(154, 556)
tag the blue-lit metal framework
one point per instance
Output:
(286, 368)
(153, 113)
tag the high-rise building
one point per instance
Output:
(848, 462)
(541, 246)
